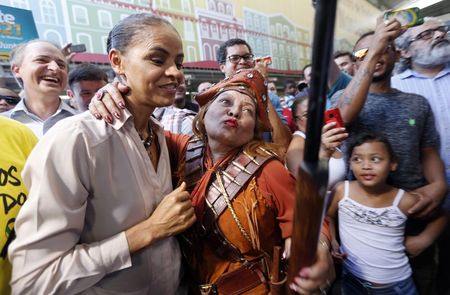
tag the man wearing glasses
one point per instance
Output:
(8, 99)
(236, 54)
(40, 69)
(233, 55)
(426, 71)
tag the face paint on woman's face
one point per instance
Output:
(231, 119)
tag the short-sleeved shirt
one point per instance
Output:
(407, 121)
(277, 105)
(17, 141)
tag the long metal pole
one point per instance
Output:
(313, 175)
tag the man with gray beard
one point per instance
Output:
(425, 70)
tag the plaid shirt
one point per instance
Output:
(175, 120)
(21, 113)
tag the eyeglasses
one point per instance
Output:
(428, 34)
(360, 54)
(10, 99)
(234, 59)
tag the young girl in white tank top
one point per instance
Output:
(372, 216)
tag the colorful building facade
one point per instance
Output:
(48, 16)
(281, 30)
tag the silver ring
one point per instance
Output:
(99, 94)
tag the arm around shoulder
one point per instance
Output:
(354, 96)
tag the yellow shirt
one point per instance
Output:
(16, 143)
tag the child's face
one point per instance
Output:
(371, 163)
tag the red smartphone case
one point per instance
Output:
(334, 115)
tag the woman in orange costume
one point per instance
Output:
(242, 194)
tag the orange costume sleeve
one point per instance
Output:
(176, 145)
(278, 185)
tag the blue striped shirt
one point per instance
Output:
(437, 91)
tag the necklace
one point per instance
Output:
(230, 207)
(149, 140)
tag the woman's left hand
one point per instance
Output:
(317, 278)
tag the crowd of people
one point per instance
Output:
(131, 188)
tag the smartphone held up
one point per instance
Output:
(77, 48)
(334, 115)
(409, 17)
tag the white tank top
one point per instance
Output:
(373, 239)
(336, 167)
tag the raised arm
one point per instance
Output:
(331, 138)
(354, 96)
(333, 73)
(280, 132)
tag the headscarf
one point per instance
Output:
(246, 81)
